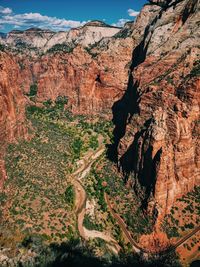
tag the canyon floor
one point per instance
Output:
(99, 142)
(55, 192)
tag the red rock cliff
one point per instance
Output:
(12, 104)
(157, 120)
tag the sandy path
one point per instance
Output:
(80, 201)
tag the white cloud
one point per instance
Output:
(132, 13)
(27, 20)
(5, 10)
(120, 22)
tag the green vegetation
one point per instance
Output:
(33, 90)
(196, 69)
(104, 178)
(93, 142)
(66, 48)
(40, 217)
(90, 224)
(123, 34)
(90, 51)
(70, 195)
(2, 47)
(186, 208)
(2, 198)
(39, 190)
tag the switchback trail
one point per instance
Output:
(135, 246)
(80, 204)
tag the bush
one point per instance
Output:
(76, 147)
(70, 195)
(33, 90)
(2, 47)
(196, 69)
(61, 101)
(66, 48)
(90, 225)
(93, 142)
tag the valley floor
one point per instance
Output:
(56, 193)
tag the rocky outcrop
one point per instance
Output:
(43, 40)
(91, 84)
(156, 94)
(92, 78)
(156, 133)
(12, 104)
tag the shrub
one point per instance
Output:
(2, 47)
(90, 225)
(66, 48)
(33, 90)
(70, 195)
(93, 142)
(196, 69)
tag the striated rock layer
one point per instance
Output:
(12, 104)
(42, 40)
(157, 120)
(156, 94)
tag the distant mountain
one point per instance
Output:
(45, 39)
(98, 23)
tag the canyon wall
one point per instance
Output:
(156, 131)
(150, 71)
(12, 106)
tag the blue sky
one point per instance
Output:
(65, 14)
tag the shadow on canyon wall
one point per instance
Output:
(123, 111)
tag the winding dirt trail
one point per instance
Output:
(80, 208)
(81, 198)
(135, 246)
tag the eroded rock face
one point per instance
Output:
(156, 95)
(12, 104)
(43, 40)
(156, 134)
(93, 79)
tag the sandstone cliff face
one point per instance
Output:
(158, 144)
(156, 94)
(12, 105)
(91, 84)
(95, 77)
(43, 40)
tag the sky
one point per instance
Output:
(61, 15)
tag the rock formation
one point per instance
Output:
(43, 40)
(12, 105)
(156, 94)
(156, 133)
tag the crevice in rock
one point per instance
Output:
(138, 159)
(124, 109)
(189, 10)
(98, 78)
